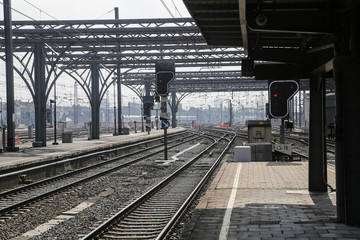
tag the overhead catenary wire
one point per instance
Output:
(111, 10)
(176, 8)
(46, 13)
(167, 8)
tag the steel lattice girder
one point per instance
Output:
(100, 32)
(149, 38)
(151, 65)
(209, 81)
(135, 44)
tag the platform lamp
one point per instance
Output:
(54, 102)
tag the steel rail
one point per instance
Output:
(177, 216)
(92, 153)
(18, 205)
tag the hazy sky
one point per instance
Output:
(99, 9)
(91, 9)
(84, 9)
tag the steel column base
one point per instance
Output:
(12, 149)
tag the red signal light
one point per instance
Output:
(276, 95)
(160, 80)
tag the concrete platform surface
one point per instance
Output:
(28, 154)
(266, 200)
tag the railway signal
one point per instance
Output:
(163, 79)
(165, 74)
(280, 93)
(147, 108)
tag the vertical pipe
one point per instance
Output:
(221, 109)
(55, 143)
(142, 114)
(120, 126)
(173, 109)
(9, 78)
(300, 113)
(76, 107)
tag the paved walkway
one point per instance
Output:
(29, 154)
(266, 200)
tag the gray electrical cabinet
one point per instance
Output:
(259, 131)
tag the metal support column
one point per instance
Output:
(40, 99)
(174, 109)
(317, 150)
(10, 106)
(147, 100)
(347, 141)
(120, 125)
(118, 76)
(142, 114)
(95, 101)
(115, 128)
(230, 114)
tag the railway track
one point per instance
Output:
(24, 135)
(23, 196)
(121, 149)
(154, 214)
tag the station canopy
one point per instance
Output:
(282, 31)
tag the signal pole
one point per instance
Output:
(165, 74)
(164, 110)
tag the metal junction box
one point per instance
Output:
(260, 152)
(259, 131)
(242, 154)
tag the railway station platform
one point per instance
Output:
(28, 154)
(266, 200)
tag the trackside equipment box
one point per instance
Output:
(260, 152)
(259, 131)
(242, 154)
